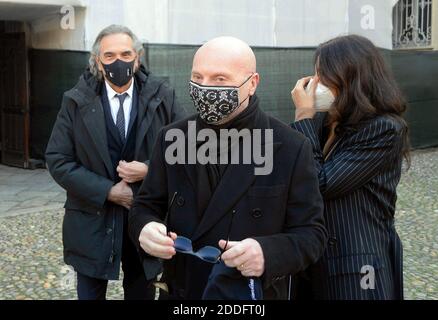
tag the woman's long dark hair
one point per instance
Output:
(365, 87)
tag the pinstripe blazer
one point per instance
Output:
(358, 180)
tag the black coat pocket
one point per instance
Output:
(359, 263)
(83, 233)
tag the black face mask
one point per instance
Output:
(119, 72)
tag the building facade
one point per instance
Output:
(44, 48)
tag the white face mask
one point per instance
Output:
(324, 98)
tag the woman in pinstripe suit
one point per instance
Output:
(358, 146)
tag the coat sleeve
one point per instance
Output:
(174, 109)
(303, 239)
(65, 170)
(177, 111)
(150, 203)
(361, 158)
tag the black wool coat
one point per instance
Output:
(283, 211)
(78, 159)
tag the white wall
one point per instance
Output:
(379, 30)
(43, 21)
(284, 23)
(100, 14)
(308, 23)
(260, 23)
(47, 33)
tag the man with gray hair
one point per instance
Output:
(99, 153)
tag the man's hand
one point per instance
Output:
(132, 171)
(121, 193)
(304, 101)
(154, 241)
(246, 256)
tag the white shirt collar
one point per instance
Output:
(112, 93)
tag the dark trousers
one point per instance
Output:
(135, 285)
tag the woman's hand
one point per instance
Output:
(304, 100)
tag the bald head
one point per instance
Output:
(227, 61)
(228, 51)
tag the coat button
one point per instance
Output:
(256, 213)
(109, 231)
(332, 241)
(98, 213)
(93, 110)
(180, 201)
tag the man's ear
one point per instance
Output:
(137, 62)
(99, 64)
(254, 83)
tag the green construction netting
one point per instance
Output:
(53, 72)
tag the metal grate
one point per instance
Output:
(412, 24)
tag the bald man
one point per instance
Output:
(203, 217)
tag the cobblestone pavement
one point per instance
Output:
(27, 191)
(31, 265)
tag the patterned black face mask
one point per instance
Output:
(215, 103)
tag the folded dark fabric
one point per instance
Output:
(226, 283)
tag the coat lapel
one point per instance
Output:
(146, 112)
(191, 173)
(134, 110)
(233, 185)
(146, 107)
(227, 193)
(94, 120)
(190, 168)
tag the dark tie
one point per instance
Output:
(120, 121)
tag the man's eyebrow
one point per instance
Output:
(221, 74)
(123, 52)
(214, 75)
